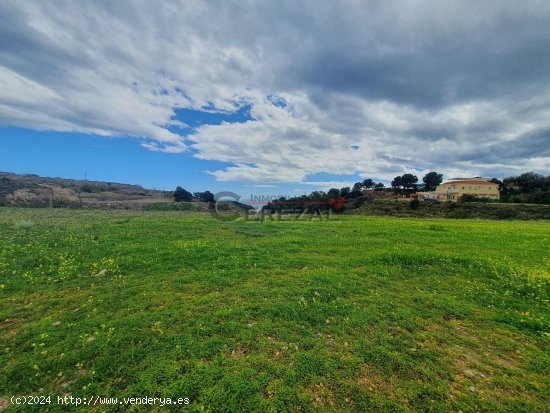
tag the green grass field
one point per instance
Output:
(356, 315)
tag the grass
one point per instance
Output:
(169, 206)
(362, 314)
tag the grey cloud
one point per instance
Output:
(452, 85)
(531, 145)
(33, 54)
(438, 74)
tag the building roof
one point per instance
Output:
(473, 182)
(473, 178)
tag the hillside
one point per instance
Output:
(366, 205)
(37, 191)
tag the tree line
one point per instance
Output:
(529, 187)
(526, 188)
(408, 183)
(182, 195)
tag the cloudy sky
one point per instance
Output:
(274, 94)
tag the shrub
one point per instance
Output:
(165, 206)
(181, 195)
(414, 204)
(474, 198)
(86, 188)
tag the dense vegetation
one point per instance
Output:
(528, 187)
(471, 208)
(525, 188)
(34, 191)
(355, 314)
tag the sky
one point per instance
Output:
(280, 97)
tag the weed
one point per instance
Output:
(372, 314)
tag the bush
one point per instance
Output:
(414, 204)
(506, 214)
(86, 188)
(539, 198)
(459, 214)
(166, 206)
(181, 195)
(516, 199)
(474, 198)
(358, 202)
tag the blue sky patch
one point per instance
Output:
(196, 118)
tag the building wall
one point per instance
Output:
(452, 191)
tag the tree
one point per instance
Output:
(431, 180)
(181, 195)
(317, 196)
(358, 186)
(205, 196)
(345, 192)
(530, 181)
(355, 193)
(405, 183)
(498, 182)
(333, 193)
(368, 183)
(408, 182)
(528, 187)
(379, 186)
(396, 183)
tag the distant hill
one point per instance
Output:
(37, 191)
(42, 192)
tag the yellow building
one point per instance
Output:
(454, 189)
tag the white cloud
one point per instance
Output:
(424, 86)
